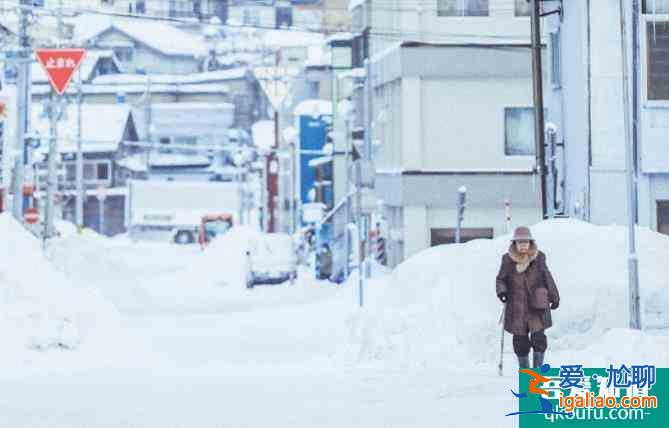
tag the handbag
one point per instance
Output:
(539, 299)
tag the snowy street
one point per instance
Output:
(334, 213)
(177, 340)
(236, 397)
(227, 363)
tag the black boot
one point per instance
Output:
(537, 359)
(524, 362)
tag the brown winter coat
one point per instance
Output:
(518, 277)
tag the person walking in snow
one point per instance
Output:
(526, 287)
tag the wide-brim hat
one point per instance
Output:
(522, 233)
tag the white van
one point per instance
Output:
(271, 260)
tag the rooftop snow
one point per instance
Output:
(160, 36)
(165, 160)
(313, 108)
(207, 77)
(102, 126)
(292, 38)
(316, 162)
(186, 119)
(135, 88)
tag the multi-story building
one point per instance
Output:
(451, 107)
(586, 103)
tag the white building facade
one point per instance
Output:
(586, 101)
(452, 107)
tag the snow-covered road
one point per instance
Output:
(258, 397)
(248, 358)
(111, 333)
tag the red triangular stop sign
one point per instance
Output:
(60, 65)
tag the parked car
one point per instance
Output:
(271, 260)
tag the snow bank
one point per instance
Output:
(223, 262)
(439, 307)
(40, 308)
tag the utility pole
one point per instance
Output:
(52, 179)
(22, 101)
(538, 87)
(367, 156)
(636, 96)
(81, 196)
(347, 163)
(461, 203)
(149, 119)
(632, 259)
(54, 115)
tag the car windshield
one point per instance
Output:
(218, 227)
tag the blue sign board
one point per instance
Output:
(313, 134)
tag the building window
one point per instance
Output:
(656, 6)
(140, 6)
(663, 217)
(556, 66)
(94, 172)
(443, 236)
(462, 8)
(251, 16)
(519, 131)
(284, 17)
(657, 40)
(523, 8)
(164, 140)
(185, 141)
(124, 53)
(70, 172)
(181, 9)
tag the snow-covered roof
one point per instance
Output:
(352, 4)
(186, 119)
(87, 66)
(142, 79)
(313, 108)
(88, 89)
(263, 134)
(157, 35)
(316, 162)
(165, 160)
(339, 37)
(135, 163)
(102, 126)
(292, 38)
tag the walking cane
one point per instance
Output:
(500, 366)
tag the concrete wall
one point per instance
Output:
(592, 116)
(463, 123)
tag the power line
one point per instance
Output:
(378, 32)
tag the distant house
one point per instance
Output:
(236, 86)
(257, 13)
(188, 141)
(147, 46)
(198, 9)
(104, 132)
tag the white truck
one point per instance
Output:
(171, 210)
